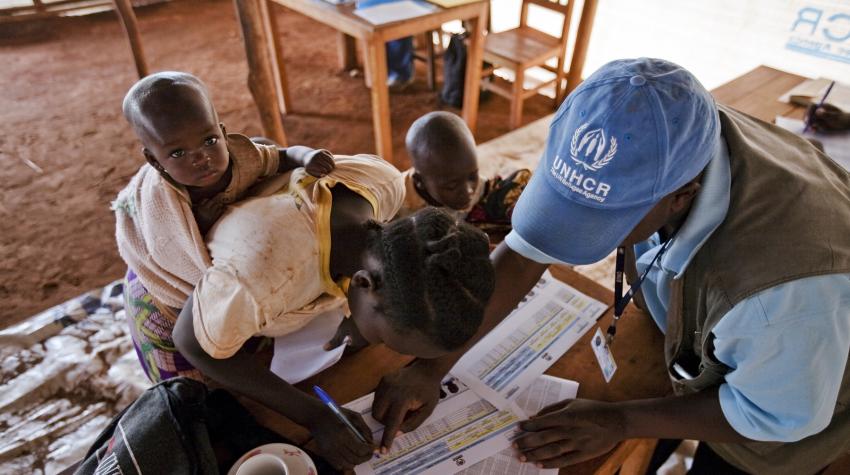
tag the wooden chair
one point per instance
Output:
(525, 47)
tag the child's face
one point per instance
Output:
(192, 151)
(452, 183)
(369, 315)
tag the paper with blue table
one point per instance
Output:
(379, 12)
(497, 384)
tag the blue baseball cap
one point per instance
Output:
(633, 132)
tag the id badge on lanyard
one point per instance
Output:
(620, 300)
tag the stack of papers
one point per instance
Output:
(497, 384)
(811, 91)
(394, 11)
(465, 434)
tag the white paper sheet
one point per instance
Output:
(301, 354)
(542, 328)
(464, 432)
(836, 145)
(545, 390)
(394, 11)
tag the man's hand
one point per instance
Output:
(318, 162)
(569, 432)
(336, 442)
(404, 399)
(828, 118)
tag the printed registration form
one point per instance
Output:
(547, 323)
(465, 433)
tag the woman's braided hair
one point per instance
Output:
(437, 276)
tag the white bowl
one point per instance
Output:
(297, 461)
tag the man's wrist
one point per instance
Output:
(628, 416)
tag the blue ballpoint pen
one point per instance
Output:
(325, 397)
(822, 100)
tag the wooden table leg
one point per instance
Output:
(376, 57)
(347, 51)
(430, 60)
(261, 70)
(128, 19)
(585, 26)
(474, 57)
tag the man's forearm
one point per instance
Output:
(515, 277)
(694, 416)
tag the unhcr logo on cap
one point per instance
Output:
(587, 149)
(593, 145)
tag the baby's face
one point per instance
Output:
(193, 151)
(453, 184)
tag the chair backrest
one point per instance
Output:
(564, 7)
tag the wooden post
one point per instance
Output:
(585, 26)
(128, 18)
(474, 58)
(261, 67)
(281, 84)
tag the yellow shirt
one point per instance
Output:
(271, 253)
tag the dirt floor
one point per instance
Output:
(62, 85)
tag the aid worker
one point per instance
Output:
(742, 234)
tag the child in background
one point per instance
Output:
(445, 174)
(195, 169)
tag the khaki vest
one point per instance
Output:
(788, 218)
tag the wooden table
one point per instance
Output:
(757, 91)
(267, 79)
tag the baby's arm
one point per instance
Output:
(317, 162)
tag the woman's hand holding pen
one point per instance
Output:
(336, 442)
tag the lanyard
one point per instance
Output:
(620, 300)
